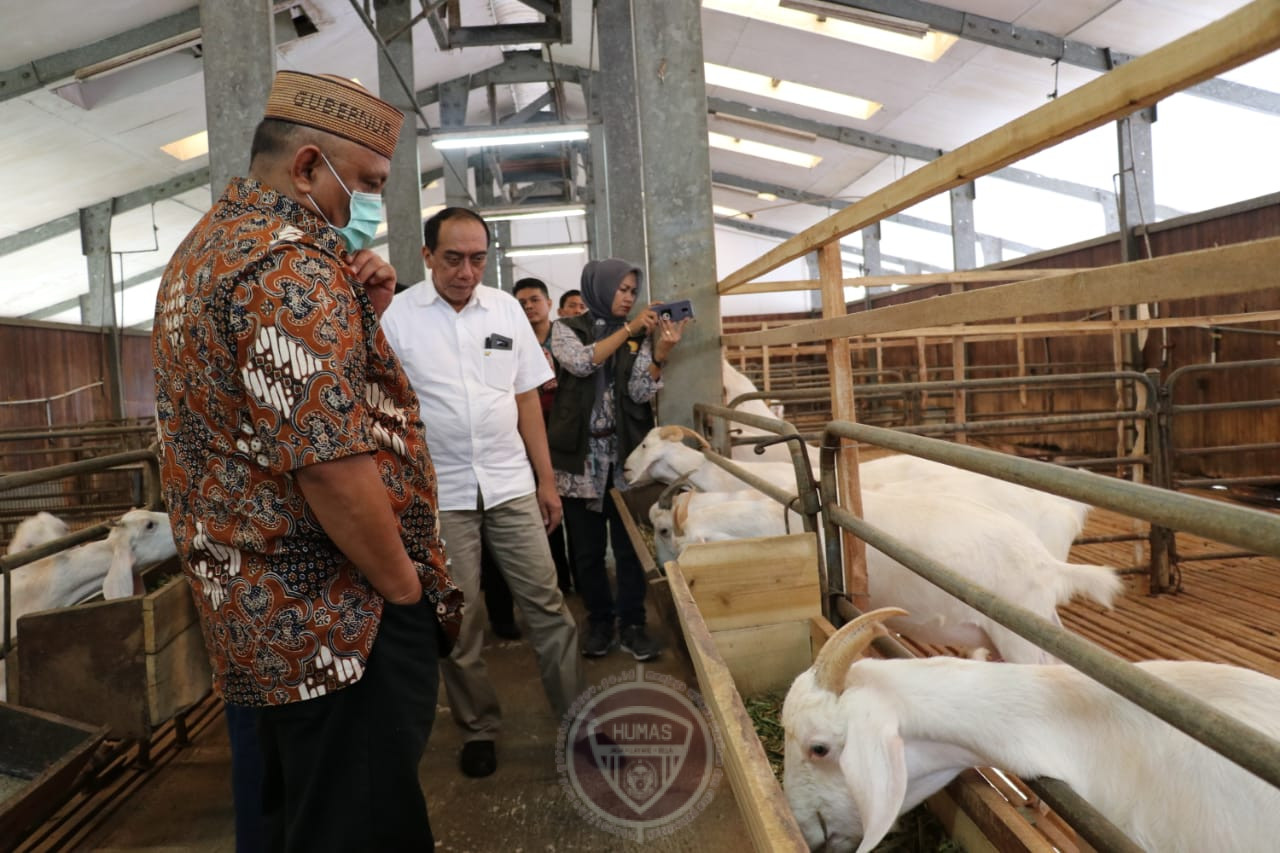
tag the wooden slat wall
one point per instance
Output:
(44, 360)
(1080, 353)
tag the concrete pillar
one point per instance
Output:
(499, 232)
(506, 266)
(672, 96)
(1137, 184)
(98, 306)
(964, 250)
(992, 249)
(598, 233)
(619, 112)
(238, 40)
(453, 113)
(402, 199)
(871, 250)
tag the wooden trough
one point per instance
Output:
(750, 614)
(129, 664)
(40, 757)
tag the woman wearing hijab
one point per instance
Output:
(610, 368)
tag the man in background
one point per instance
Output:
(474, 362)
(572, 304)
(533, 297)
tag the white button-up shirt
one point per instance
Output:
(466, 379)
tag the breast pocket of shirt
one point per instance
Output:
(499, 369)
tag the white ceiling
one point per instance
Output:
(56, 157)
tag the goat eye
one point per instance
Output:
(818, 750)
(151, 525)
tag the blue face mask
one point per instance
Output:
(365, 215)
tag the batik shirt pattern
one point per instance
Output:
(269, 359)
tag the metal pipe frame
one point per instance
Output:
(1245, 528)
(9, 562)
(80, 432)
(1169, 411)
(805, 501)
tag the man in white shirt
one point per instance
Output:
(475, 365)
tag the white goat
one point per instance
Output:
(663, 457)
(36, 530)
(716, 516)
(1056, 521)
(139, 539)
(735, 385)
(989, 548)
(868, 741)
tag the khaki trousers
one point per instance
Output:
(514, 535)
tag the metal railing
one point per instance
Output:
(1239, 526)
(1084, 818)
(8, 482)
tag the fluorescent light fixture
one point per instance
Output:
(766, 196)
(531, 212)
(765, 125)
(792, 93)
(763, 150)
(141, 54)
(540, 251)
(889, 23)
(732, 212)
(523, 134)
(189, 147)
(880, 32)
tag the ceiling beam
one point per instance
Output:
(523, 66)
(531, 109)
(887, 145)
(1019, 39)
(138, 198)
(755, 186)
(780, 234)
(39, 73)
(845, 135)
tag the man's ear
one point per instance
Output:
(303, 167)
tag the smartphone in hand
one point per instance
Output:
(674, 311)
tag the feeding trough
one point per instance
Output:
(130, 664)
(41, 755)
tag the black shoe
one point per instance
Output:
(639, 643)
(599, 641)
(479, 758)
(506, 630)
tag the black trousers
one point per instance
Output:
(590, 531)
(342, 769)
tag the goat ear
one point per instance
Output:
(875, 769)
(119, 580)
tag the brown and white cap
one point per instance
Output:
(335, 105)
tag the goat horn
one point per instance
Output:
(846, 645)
(685, 432)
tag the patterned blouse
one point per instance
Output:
(602, 453)
(269, 359)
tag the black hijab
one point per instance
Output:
(599, 285)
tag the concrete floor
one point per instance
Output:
(521, 808)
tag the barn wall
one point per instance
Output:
(1256, 219)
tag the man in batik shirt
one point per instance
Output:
(296, 475)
